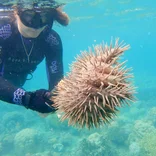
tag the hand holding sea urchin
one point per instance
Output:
(95, 87)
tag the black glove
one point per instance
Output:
(38, 101)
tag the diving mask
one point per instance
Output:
(36, 18)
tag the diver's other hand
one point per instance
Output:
(38, 101)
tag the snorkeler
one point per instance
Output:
(26, 38)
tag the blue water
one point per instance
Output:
(133, 131)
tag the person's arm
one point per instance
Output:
(37, 100)
(54, 59)
(8, 92)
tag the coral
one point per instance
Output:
(101, 147)
(94, 138)
(148, 144)
(118, 133)
(13, 121)
(86, 148)
(6, 140)
(140, 129)
(95, 87)
(67, 140)
(25, 140)
(134, 149)
(151, 116)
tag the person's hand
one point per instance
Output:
(39, 101)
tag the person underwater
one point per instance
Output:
(26, 38)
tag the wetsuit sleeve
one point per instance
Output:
(8, 92)
(5, 32)
(54, 62)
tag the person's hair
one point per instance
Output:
(61, 17)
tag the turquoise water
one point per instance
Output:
(133, 131)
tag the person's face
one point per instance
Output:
(36, 18)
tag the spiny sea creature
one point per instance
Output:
(95, 87)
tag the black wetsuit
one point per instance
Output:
(14, 64)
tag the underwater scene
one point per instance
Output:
(132, 131)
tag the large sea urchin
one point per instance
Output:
(96, 85)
